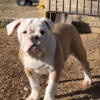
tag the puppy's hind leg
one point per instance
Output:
(87, 76)
(80, 54)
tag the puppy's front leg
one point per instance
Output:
(34, 82)
(52, 85)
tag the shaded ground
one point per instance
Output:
(13, 82)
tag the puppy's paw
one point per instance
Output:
(29, 98)
(87, 82)
(48, 97)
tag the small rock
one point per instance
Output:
(3, 90)
(24, 97)
(21, 91)
(25, 89)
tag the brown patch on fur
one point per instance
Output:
(37, 53)
(21, 55)
(58, 60)
(27, 72)
(54, 75)
(68, 41)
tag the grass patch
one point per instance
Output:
(2, 25)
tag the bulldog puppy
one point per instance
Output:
(46, 47)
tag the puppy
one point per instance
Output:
(46, 47)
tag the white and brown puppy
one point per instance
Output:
(46, 47)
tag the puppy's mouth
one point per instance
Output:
(34, 47)
(35, 50)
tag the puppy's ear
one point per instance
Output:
(48, 22)
(13, 26)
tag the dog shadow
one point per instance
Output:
(78, 79)
(94, 90)
(82, 27)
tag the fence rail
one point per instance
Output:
(80, 7)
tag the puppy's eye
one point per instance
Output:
(25, 32)
(42, 32)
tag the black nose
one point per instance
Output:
(34, 38)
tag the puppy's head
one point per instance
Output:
(33, 33)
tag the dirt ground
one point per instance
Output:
(14, 84)
(9, 9)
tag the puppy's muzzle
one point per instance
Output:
(35, 49)
(36, 41)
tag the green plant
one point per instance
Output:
(2, 25)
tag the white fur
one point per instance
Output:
(49, 22)
(35, 87)
(50, 89)
(87, 79)
(36, 64)
(32, 26)
(43, 62)
(10, 27)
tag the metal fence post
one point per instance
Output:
(90, 7)
(70, 6)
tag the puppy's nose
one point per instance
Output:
(35, 38)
